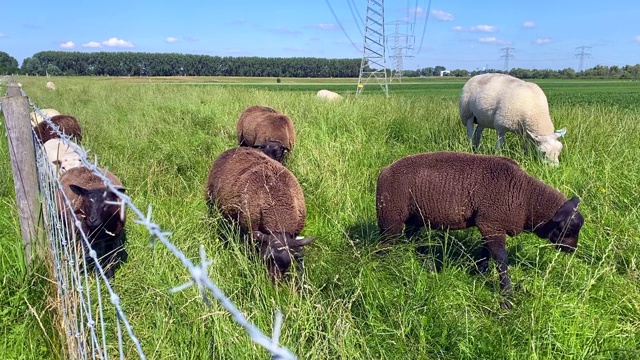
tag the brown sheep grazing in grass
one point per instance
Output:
(449, 190)
(265, 199)
(101, 221)
(67, 124)
(266, 129)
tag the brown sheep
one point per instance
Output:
(449, 190)
(266, 129)
(265, 199)
(67, 124)
(101, 222)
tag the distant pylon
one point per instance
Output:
(507, 56)
(582, 55)
(402, 47)
(374, 62)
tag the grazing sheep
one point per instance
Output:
(50, 85)
(266, 129)
(506, 103)
(67, 124)
(100, 219)
(328, 95)
(61, 156)
(449, 190)
(265, 199)
(36, 118)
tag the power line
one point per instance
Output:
(424, 28)
(507, 56)
(352, 7)
(582, 55)
(340, 24)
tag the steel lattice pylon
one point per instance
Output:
(402, 46)
(374, 62)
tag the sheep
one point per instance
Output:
(450, 190)
(267, 129)
(328, 95)
(36, 118)
(506, 103)
(67, 124)
(61, 156)
(101, 220)
(264, 198)
(50, 85)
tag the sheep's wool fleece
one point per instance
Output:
(259, 192)
(84, 177)
(499, 100)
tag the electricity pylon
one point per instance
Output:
(402, 47)
(507, 56)
(374, 62)
(582, 55)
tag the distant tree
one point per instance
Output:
(8, 64)
(53, 70)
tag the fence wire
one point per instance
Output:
(86, 322)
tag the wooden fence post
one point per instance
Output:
(23, 163)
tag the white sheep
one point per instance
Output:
(36, 118)
(50, 85)
(506, 103)
(328, 95)
(62, 156)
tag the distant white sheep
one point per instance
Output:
(36, 118)
(50, 85)
(328, 95)
(506, 103)
(61, 156)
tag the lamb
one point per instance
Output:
(505, 103)
(102, 221)
(67, 124)
(61, 156)
(328, 95)
(36, 118)
(449, 190)
(50, 85)
(265, 199)
(267, 129)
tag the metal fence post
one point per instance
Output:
(23, 163)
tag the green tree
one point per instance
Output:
(8, 64)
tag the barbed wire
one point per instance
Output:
(63, 244)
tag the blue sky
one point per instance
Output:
(459, 34)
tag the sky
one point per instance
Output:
(463, 34)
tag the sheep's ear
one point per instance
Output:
(78, 190)
(258, 236)
(121, 189)
(566, 210)
(300, 241)
(560, 133)
(56, 162)
(533, 136)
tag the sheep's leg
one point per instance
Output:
(495, 242)
(483, 259)
(470, 128)
(500, 141)
(476, 136)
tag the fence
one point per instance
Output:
(87, 319)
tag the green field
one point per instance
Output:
(419, 299)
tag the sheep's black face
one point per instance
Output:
(279, 250)
(274, 150)
(567, 223)
(98, 209)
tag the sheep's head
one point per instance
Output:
(274, 150)
(279, 250)
(549, 145)
(97, 210)
(564, 227)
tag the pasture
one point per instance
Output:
(418, 299)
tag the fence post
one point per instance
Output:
(23, 163)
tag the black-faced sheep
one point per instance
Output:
(67, 124)
(266, 129)
(265, 199)
(101, 221)
(506, 103)
(449, 190)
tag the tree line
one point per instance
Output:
(172, 64)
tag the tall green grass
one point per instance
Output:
(419, 299)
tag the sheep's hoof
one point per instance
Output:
(482, 266)
(506, 305)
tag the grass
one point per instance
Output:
(418, 299)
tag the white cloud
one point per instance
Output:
(458, 28)
(637, 38)
(418, 12)
(67, 45)
(542, 41)
(115, 42)
(92, 44)
(528, 24)
(443, 15)
(171, 39)
(484, 28)
(489, 39)
(326, 26)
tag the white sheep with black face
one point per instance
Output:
(506, 103)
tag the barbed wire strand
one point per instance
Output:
(198, 272)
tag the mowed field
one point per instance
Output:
(418, 299)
